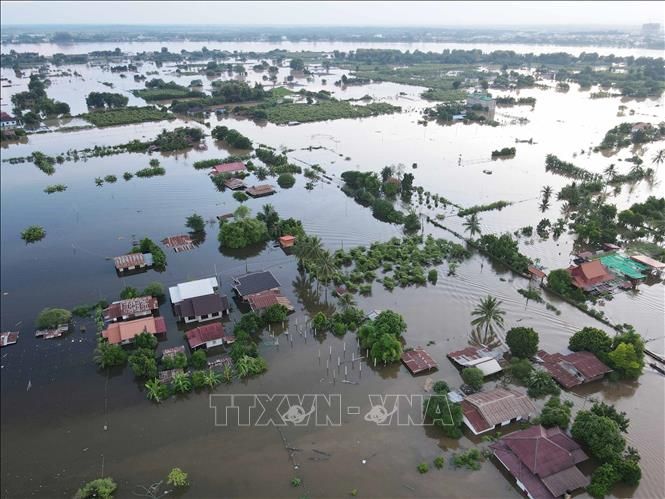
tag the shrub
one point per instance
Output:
(592, 340)
(602, 480)
(275, 313)
(33, 234)
(155, 289)
(440, 387)
(522, 341)
(432, 276)
(540, 384)
(439, 461)
(423, 468)
(195, 222)
(107, 355)
(177, 478)
(240, 196)
(101, 488)
(473, 377)
(143, 364)
(556, 413)
(128, 292)
(521, 369)
(286, 180)
(145, 340)
(470, 459)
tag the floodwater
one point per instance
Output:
(63, 422)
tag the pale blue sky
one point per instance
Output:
(335, 13)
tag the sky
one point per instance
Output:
(358, 13)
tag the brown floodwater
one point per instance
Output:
(56, 405)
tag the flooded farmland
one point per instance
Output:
(64, 421)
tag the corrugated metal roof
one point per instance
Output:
(418, 360)
(500, 405)
(130, 260)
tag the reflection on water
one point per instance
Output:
(69, 402)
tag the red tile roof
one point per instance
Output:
(543, 460)
(573, 369)
(237, 166)
(265, 299)
(6, 117)
(418, 360)
(122, 332)
(536, 272)
(589, 274)
(203, 334)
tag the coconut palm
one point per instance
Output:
(659, 157)
(155, 390)
(227, 374)
(325, 269)
(480, 339)
(181, 383)
(307, 250)
(212, 378)
(488, 315)
(346, 301)
(269, 216)
(472, 225)
(610, 172)
(546, 192)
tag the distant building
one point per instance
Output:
(483, 100)
(543, 461)
(573, 368)
(7, 121)
(234, 167)
(485, 411)
(651, 29)
(258, 191)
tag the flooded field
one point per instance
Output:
(64, 421)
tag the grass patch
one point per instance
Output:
(126, 116)
(324, 110)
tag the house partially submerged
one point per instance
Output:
(234, 184)
(483, 358)
(654, 266)
(132, 308)
(56, 332)
(261, 190)
(123, 333)
(173, 351)
(198, 301)
(132, 261)
(255, 282)
(589, 275)
(287, 241)
(208, 336)
(543, 461)
(8, 338)
(234, 167)
(182, 242)
(265, 299)
(571, 369)
(418, 361)
(485, 411)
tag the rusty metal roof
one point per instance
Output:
(418, 360)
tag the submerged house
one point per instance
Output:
(268, 298)
(123, 333)
(589, 275)
(132, 261)
(261, 190)
(130, 309)
(418, 361)
(231, 168)
(208, 336)
(543, 461)
(483, 358)
(255, 282)
(198, 301)
(573, 368)
(486, 411)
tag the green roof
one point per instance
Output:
(623, 265)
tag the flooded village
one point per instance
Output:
(451, 255)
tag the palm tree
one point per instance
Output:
(346, 301)
(181, 383)
(488, 315)
(659, 157)
(472, 225)
(546, 192)
(610, 172)
(307, 250)
(155, 390)
(227, 374)
(212, 378)
(269, 216)
(325, 269)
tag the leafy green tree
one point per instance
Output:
(177, 478)
(297, 64)
(521, 369)
(386, 348)
(101, 488)
(523, 342)
(625, 359)
(145, 340)
(629, 468)
(275, 313)
(559, 280)
(128, 292)
(473, 377)
(51, 318)
(432, 276)
(242, 233)
(445, 414)
(540, 384)
(143, 364)
(195, 222)
(154, 289)
(286, 180)
(198, 379)
(602, 409)
(592, 340)
(270, 217)
(320, 322)
(556, 413)
(240, 196)
(602, 480)
(33, 234)
(412, 222)
(389, 322)
(199, 359)
(488, 315)
(600, 434)
(107, 355)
